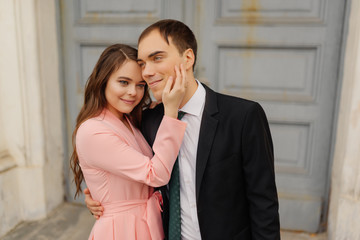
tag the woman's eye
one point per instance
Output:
(122, 82)
(141, 85)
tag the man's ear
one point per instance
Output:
(189, 58)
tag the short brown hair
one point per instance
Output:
(181, 35)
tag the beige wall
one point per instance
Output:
(31, 158)
(31, 150)
(344, 212)
(2, 137)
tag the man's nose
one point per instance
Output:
(147, 71)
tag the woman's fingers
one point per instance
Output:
(183, 74)
(178, 77)
(180, 82)
(168, 85)
(174, 92)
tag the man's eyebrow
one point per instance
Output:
(150, 55)
(155, 53)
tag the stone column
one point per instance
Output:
(344, 212)
(31, 153)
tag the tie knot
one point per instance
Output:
(180, 115)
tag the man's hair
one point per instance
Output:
(181, 35)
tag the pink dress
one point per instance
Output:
(120, 171)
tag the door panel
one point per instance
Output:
(270, 11)
(284, 54)
(89, 26)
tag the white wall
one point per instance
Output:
(344, 212)
(31, 163)
(2, 137)
(31, 150)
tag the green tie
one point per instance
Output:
(174, 200)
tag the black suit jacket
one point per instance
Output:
(235, 181)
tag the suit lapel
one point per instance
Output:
(206, 137)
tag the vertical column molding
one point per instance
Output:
(51, 105)
(29, 78)
(11, 99)
(345, 179)
(30, 109)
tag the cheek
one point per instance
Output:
(168, 68)
(113, 92)
(140, 93)
(107, 93)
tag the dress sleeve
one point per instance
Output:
(100, 147)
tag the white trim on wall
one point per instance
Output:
(345, 178)
(31, 150)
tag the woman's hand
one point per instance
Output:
(173, 93)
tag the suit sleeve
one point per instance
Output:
(259, 175)
(99, 147)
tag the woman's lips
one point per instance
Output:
(130, 102)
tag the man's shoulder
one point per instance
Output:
(230, 102)
(235, 99)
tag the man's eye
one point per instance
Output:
(157, 58)
(141, 64)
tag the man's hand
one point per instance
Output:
(94, 206)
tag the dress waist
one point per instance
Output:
(152, 215)
(122, 206)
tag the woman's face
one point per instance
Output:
(124, 89)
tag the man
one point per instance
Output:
(226, 164)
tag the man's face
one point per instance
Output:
(157, 59)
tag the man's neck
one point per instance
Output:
(190, 90)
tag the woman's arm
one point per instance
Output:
(100, 147)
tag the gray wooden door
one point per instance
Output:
(282, 53)
(88, 27)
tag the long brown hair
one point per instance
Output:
(112, 58)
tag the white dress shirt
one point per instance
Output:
(187, 164)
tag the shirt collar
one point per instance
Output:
(196, 103)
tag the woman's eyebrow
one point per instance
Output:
(123, 77)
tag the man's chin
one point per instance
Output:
(158, 97)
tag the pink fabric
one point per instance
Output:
(121, 171)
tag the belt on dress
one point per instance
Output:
(152, 215)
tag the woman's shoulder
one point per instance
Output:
(91, 126)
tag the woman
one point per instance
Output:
(113, 157)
